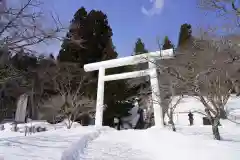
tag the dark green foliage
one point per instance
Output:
(70, 52)
(117, 110)
(94, 32)
(18, 79)
(167, 44)
(139, 47)
(24, 61)
(185, 34)
(26, 73)
(115, 92)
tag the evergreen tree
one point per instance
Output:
(167, 44)
(117, 110)
(24, 61)
(70, 52)
(97, 45)
(93, 30)
(94, 33)
(139, 47)
(116, 92)
(185, 34)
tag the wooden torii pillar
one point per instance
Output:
(131, 60)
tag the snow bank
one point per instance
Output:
(21, 128)
(163, 144)
(37, 123)
(189, 103)
(76, 151)
(40, 146)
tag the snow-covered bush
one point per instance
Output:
(14, 127)
(41, 129)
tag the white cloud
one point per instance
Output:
(156, 8)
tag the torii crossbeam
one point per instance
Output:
(131, 60)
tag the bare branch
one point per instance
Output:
(69, 82)
(24, 27)
(203, 74)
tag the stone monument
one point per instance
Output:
(20, 114)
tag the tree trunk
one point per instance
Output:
(69, 125)
(34, 114)
(171, 120)
(215, 123)
(223, 114)
(69, 120)
(165, 107)
(215, 129)
(173, 127)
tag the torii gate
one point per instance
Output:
(131, 60)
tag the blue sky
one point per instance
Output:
(130, 19)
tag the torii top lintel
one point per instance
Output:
(130, 60)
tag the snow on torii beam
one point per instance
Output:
(131, 60)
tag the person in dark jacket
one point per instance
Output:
(190, 118)
(118, 123)
(141, 123)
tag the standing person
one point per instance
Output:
(141, 123)
(116, 122)
(190, 118)
(119, 123)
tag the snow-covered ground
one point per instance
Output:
(155, 144)
(39, 146)
(91, 143)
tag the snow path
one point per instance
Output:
(117, 148)
(46, 145)
(155, 144)
(76, 151)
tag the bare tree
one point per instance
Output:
(21, 28)
(167, 99)
(204, 73)
(173, 101)
(222, 6)
(169, 103)
(70, 83)
(227, 9)
(217, 96)
(24, 25)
